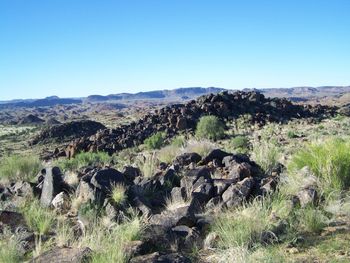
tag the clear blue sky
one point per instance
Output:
(80, 47)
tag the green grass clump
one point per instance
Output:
(168, 153)
(266, 154)
(156, 141)
(16, 167)
(118, 194)
(179, 141)
(311, 219)
(9, 249)
(84, 159)
(210, 127)
(38, 219)
(109, 243)
(244, 225)
(328, 160)
(148, 164)
(240, 144)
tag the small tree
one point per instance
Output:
(210, 127)
(156, 141)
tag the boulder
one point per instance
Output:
(237, 193)
(53, 184)
(156, 257)
(216, 154)
(183, 215)
(104, 179)
(12, 220)
(64, 255)
(61, 202)
(187, 158)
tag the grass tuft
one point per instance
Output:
(18, 167)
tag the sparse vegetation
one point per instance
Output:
(84, 159)
(16, 167)
(210, 127)
(156, 141)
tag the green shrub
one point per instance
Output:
(210, 127)
(156, 141)
(18, 167)
(84, 159)
(240, 143)
(329, 161)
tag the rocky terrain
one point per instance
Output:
(156, 190)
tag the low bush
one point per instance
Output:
(18, 167)
(156, 141)
(210, 127)
(328, 160)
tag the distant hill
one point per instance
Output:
(297, 94)
(48, 101)
(157, 94)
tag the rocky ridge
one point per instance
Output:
(184, 117)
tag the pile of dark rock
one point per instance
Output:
(67, 131)
(172, 202)
(184, 117)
